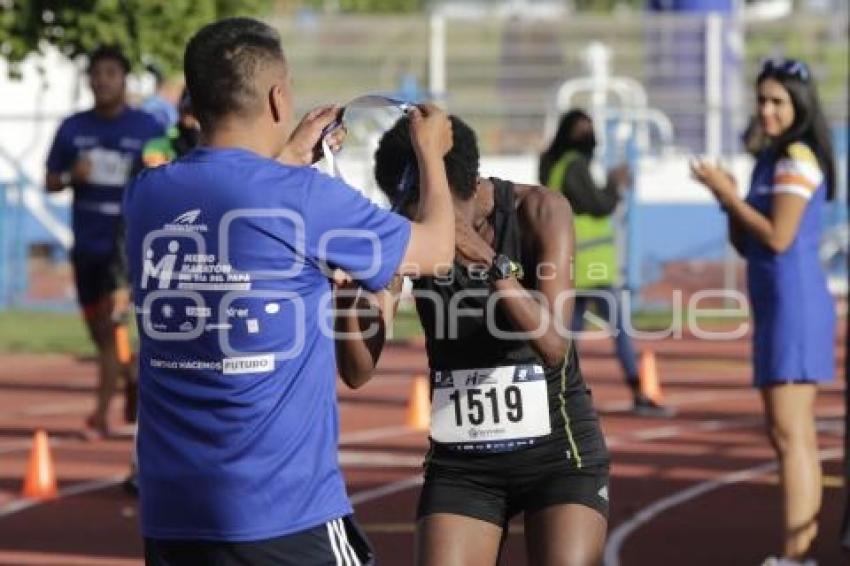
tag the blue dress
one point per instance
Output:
(794, 313)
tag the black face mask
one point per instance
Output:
(585, 144)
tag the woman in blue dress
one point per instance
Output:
(777, 230)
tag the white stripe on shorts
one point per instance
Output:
(345, 546)
(332, 537)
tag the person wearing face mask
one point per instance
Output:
(179, 140)
(777, 230)
(565, 168)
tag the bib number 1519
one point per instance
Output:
(474, 403)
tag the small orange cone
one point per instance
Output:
(122, 344)
(40, 481)
(419, 405)
(650, 384)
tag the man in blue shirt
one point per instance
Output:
(95, 152)
(230, 250)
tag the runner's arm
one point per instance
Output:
(360, 325)
(544, 312)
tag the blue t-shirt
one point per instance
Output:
(114, 147)
(238, 421)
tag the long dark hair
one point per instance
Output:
(809, 124)
(561, 143)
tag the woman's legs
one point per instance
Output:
(446, 539)
(565, 535)
(789, 411)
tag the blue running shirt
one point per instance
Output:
(114, 147)
(238, 421)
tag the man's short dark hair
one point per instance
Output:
(221, 63)
(395, 152)
(109, 52)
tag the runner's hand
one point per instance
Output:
(81, 171)
(470, 247)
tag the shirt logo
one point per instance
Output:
(186, 222)
(603, 492)
(188, 217)
(130, 143)
(251, 364)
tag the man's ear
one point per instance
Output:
(276, 102)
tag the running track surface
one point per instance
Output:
(696, 490)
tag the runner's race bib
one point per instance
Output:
(109, 168)
(490, 410)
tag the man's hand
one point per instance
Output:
(304, 146)
(81, 171)
(430, 130)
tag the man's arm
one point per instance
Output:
(432, 242)
(65, 167)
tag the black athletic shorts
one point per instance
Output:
(340, 542)
(499, 494)
(98, 276)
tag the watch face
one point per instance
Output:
(501, 267)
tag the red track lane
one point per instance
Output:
(670, 471)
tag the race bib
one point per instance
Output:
(109, 168)
(490, 410)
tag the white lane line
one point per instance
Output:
(387, 489)
(676, 400)
(624, 530)
(672, 431)
(371, 459)
(48, 409)
(371, 434)
(23, 445)
(77, 489)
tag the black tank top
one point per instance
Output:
(465, 341)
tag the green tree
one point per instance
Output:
(368, 6)
(149, 31)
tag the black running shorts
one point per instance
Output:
(500, 493)
(340, 542)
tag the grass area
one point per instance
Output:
(44, 332)
(48, 332)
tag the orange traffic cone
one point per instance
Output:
(650, 384)
(419, 405)
(122, 344)
(40, 481)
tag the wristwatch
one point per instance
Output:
(504, 267)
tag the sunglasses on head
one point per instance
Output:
(787, 67)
